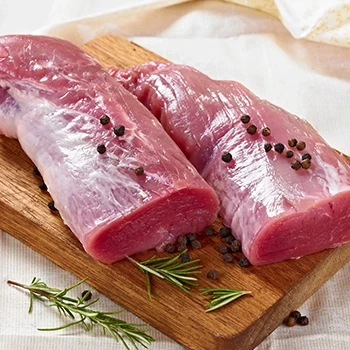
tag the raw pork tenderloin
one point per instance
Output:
(52, 96)
(276, 208)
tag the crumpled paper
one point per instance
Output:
(226, 41)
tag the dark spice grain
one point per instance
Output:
(289, 154)
(223, 249)
(51, 206)
(181, 247)
(191, 237)
(196, 244)
(226, 157)
(251, 130)
(42, 186)
(279, 147)
(209, 231)
(267, 147)
(170, 248)
(303, 321)
(182, 240)
(292, 142)
(228, 239)
(224, 232)
(236, 246)
(306, 163)
(266, 131)
(306, 156)
(139, 171)
(87, 295)
(212, 275)
(301, 145)
(105, 119)
(296, 165)
(119, 130)
(185, 257)
(290, 321)
(296, 314)
(101, 149)
(228, 257)
(245, 119)
(243, 262)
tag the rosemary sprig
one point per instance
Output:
(221, 297)
(88, 318)
(170, 269)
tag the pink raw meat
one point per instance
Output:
(276, 212)
(52, 96)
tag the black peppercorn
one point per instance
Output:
(42, 186)
(86, 294)
(228, 257)
(36, 171)
(195, 244)
(209, 231)
(236, 246)
(251, 130)
(296, 165)
(228, 239)
(119, 130)
(224, 232)
(226, 157)
(139, 171)
(301, 145)
(296, 314)
(170, 248)
(223, 249)
(105, 119)
(306, 163)
(292, 142)
(245, 119)
(191, 236)
(306, 156)
(303, 321)
(279, 147)
(267, 147)
(51, 206)
(212, 275)
(101, 149)
(289, 154)
(185, 257)
(243, 262)
(266, 131)
(182, 240)
(181, 247)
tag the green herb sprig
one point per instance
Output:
(88, 318)
(170, 269)
(221, 297)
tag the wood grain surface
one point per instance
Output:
(276, 289)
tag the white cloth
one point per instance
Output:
(229, 42)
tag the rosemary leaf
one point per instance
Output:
(170, 269)
(221, 297)
(88, 318)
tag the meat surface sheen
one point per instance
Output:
(52, 96)
(277, 212)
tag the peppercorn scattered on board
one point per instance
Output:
(276, 289)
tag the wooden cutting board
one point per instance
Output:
(276, 289)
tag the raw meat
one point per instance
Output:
(52, 96)
(275, 211)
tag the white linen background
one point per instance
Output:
(228, 42)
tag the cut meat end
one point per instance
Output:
(155, 224)
(267, 196)
(54, 105)
(325, 225)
